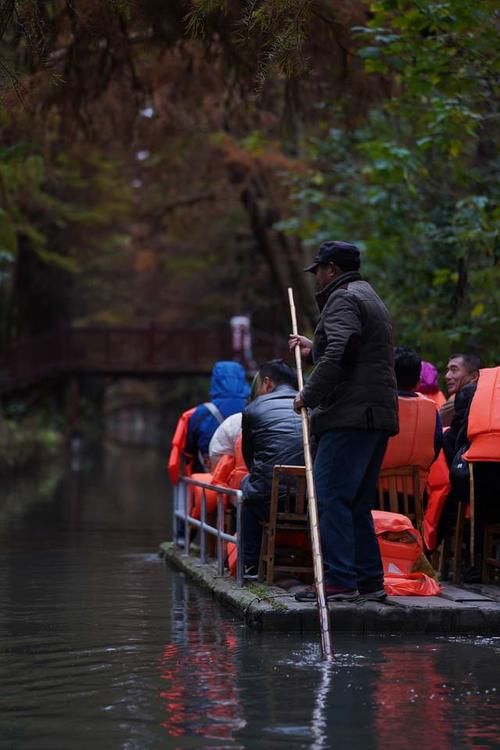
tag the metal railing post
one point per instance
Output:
(175, 522)
(220, 526)
(203, 554)
(181, 512)
(239, 541)
(187, 528)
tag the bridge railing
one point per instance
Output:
(180, 513)
(147, 350)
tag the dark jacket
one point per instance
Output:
(353, 385)
(455, 438)
(271, 434)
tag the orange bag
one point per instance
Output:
(411, 584)
(400, 544)
(400, 548)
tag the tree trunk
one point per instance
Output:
(282, 252)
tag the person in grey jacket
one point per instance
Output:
(353, 396)
(271, 434)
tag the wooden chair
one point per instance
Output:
(491, 554)
(398, 491)
(286, 514)
(452, 546)
(491, 539)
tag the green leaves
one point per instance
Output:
(8, 237)
(413, 182)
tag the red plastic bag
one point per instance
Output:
(411, 584)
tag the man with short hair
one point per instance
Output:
(461, 370)
(353, 397)
(271, 434)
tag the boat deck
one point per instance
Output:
(459, 610)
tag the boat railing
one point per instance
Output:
(205, 528)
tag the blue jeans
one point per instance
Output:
(346, 468)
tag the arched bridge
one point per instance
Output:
(128, 352)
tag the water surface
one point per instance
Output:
(104, 646)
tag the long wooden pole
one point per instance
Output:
(324, 614)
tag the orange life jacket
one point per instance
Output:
(177, 456)
(414, 444)
(229, 472)
(195, 495)
(438, 488)
(223, 470)
(240, 468)
(400, 548)
(232, 558)
(437, 396)
(484, 418)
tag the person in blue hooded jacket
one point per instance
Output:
(228, 394)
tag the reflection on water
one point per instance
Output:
(103, 646)
(199, 670)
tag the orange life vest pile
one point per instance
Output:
(400, 548)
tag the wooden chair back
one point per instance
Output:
(287, 513)
(398, 491)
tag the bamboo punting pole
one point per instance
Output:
(324, 614)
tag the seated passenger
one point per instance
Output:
(428, 384)
(271, 434)
(223, 441)
(231, 468)
(455, 441)
(420, 433)
(482, 401)
(455, 438)
(461, 370)
(228, 393)
(195, 427)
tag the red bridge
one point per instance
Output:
(127, 352)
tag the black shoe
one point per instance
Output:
(251, 572)
(372, 596)
(332, 593)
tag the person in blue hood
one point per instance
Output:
(228, 394)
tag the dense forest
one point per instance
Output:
(181, 161)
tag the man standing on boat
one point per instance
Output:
(353, 396)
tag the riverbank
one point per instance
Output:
(27, 441)
(471, 610)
